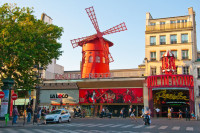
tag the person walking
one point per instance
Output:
(38, 115)
(29, 112)
(43, 114)
(169, 113)
(180, 114)
(187, 114)
(172, 114)
(15, 115)
(157, 112)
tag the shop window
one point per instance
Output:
(184, 38)
(152, 40)
(183, 21)
(162, 39)
(153, 71)
(186, 70)
(90, 59)
(185, 54)
(173, 39)
(153, 56)
(174, 52)
(198, 72)
(97, 59)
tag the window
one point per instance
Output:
(174, 52)
(153, 56)
(152, 40)
(178, 21)
(173, 22)
(161, 53)
(173, 39)
(152, 24)
(186, 70)
(90, 59)
(153, 71)
(97, 59)
(161, 23)
(198, 72)
(183, 21)
(199, 94)
(104, 60)
(162, 39)
(185, 54)
(184, 38)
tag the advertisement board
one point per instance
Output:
(4, 103)
(113, 95)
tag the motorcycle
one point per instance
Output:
(147, 120)
(109, 115)
(77, 114)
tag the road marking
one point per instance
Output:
(25, 131)
(163, 127)
(55, 131)
(106, 125)
(39, 131)
(176, 128)
(150, 127)
(189, 128)
(116, 125)
(138, 126)
(95, 125)
(10, 130)
(127, 126)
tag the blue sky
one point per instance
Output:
(129, 46)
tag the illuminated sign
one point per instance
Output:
(163, 94)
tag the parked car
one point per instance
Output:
(58, 116)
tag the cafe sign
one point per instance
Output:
(54, 96)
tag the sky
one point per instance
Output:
(129, 46)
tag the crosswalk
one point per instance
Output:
(124, 126)
(98, 128)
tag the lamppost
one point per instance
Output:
(38, 70)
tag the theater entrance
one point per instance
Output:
(177, 99)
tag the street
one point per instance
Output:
(113, 125)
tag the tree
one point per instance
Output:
(24, 42)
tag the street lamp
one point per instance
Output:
(39, 72)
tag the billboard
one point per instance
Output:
(113, 95)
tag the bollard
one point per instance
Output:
(6, 118)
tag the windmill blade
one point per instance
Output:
(106, 51)
(118, 28)
(92, 16)
(79, 41)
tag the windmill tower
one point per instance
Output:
(95, 49)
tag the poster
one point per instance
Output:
(4, 103)
(114, 95)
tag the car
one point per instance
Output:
(59, 115)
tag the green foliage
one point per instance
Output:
(24, 42)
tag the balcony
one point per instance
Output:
(168, 27)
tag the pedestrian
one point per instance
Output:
(187, 114)
(43, 114)
(53, 109)
(193, 115)
(180, 114)
(157, 111)
(172, 110)
(48, 111)
(121, 113)
(15, 115)
(29, 112)
(142, 112)
(169, 113)
(38, 115)
(131, 113)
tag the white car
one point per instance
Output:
(58, 116)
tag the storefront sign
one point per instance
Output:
(163, 94)
(119, 95)
(53, 96)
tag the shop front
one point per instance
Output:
(59, 95)
(114, 99)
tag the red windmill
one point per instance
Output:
(95, 49)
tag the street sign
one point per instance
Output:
(60, 96)
(14, 96)
(2, 94)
